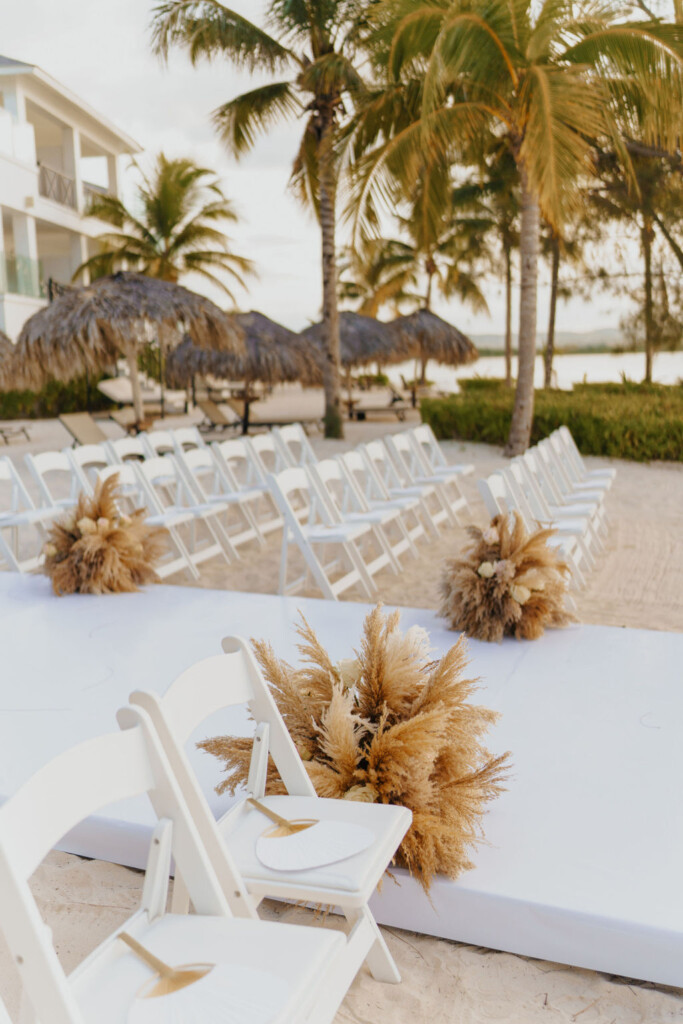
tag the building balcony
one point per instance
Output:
(20, 275)
(57, 186)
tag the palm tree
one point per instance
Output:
(318, 40)
(176, 232)
(547, 79)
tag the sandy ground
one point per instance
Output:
(638, 582)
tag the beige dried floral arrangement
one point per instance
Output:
(390, 726)
(509, 583)
(96, 549)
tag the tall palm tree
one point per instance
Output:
(177, 230)
(318, 41)
(547, 79)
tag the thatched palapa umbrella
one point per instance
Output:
(363, 340)
(87, 327)
(272, 355)
(434, 338)
(6, 362)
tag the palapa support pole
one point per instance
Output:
(132, 360)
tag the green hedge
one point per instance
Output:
(638, 422)
(53, 400)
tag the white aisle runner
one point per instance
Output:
(584, 851)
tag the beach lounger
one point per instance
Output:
(234, 678)
(217, 417)
(8, 433)
(83, 428)
(286, 973)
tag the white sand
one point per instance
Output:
(638, 582)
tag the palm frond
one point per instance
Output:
(240, 121)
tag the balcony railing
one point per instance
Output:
(20, 275)
(57, 186)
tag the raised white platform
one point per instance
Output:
(584, 854)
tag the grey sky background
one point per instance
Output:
(100, 49)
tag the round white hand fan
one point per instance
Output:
(303, 844)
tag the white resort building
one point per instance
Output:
(55, 151)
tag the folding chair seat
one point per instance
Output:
(293, 441)
(234, 678)
(87, 460)
(17, 513)
(315, 534)
(56, 479)
(123, 449)
(362, 474)
(173, 495)
(600, 477)
(409, 462)
(134, 493)
(345, 505)
(500, 499)
(385, 469)
(213, 483)
(186, 438)
(287, 974)
(243, 465)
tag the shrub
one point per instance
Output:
(55, 398)
(626, 421)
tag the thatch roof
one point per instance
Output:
(363, 340)
(434, 338)
(86, 328)
(272, 354)
(6, 359)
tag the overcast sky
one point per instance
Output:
(101, 50)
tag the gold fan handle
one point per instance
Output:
(149, 958)
(277, 818)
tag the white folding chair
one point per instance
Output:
(539, 465)
(346, 505)
(315, 533)
(602, 478)
(283, 971)
(429, 452)
(17, 513)
(134, 493)
(413, 470)
(123, 449)
(234, 678)
(87, 460)
(243, 466)
(172, 494)
(186, 438)
(56, 478)
(272, 457)
(213, 484)
(499, 499)
(385, 470)
(157, 442)
(568, 493)
(293, 440)
(375, 496)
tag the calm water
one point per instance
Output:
(568, 369)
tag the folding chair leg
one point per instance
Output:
(282, 582)
(379, 960)
(359, 565)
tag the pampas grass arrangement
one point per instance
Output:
(509, 583)
(96, 549)
(389, 726)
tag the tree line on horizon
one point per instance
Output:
(492, 134)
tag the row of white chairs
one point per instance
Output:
(551, 486)
(368, 507)
(270, 972)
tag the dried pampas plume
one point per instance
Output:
(509, 583)
(389, 726)
(96, 549)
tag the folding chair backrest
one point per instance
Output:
(64, 483)
(73, 786)
(406, 457)
(296, 484)
(86, 460)
(133, 491)
(425, 437)
(523, 485)
(554, 469)
(295, 443)
(360, 474)
(382, 463)
(186, 438)
(334, 488)
(538, 465)
(18, 497)
(272, 458)
(204, 472)
(158, 442)
(498, 498)
(220, 682)
(124, 448)
(161, 474)
(242, 465)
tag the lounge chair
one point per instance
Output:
(217, 417)
(82, 428)
(7, 433)
(364, 404)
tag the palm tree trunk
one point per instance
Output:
(647, 236)
(331, 372)
(508, 315)
(132, 358)
(523, 412)
(550, 341)
(424, 359)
